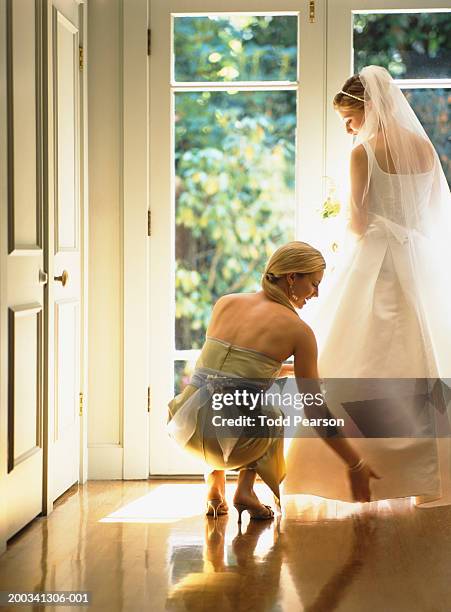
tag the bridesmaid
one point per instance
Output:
(250, 336)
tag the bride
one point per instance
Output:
(388, 312)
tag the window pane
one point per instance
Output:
(182, 374)
(235, 196)
(236, 48)
(409, 45)
(432, 107)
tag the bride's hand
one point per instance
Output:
(360, 483)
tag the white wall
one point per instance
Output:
(117, 107)
(105, 223)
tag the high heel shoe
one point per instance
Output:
(260, 515)
(213, 506)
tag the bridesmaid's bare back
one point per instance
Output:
(251, 320)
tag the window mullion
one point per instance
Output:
(423, 83)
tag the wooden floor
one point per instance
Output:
(146, 546)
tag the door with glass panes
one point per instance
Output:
(240, 110)
(236, 167)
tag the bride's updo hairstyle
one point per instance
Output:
(355, 92)
(354, 87)
(298, 257)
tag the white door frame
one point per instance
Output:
(135, 240)
(84, 241)
(310, 143)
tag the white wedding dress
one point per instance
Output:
(384, 315)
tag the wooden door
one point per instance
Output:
(40, 314)
(65, 450)
(24, 289)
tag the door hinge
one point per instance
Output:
(81, 404)
(149, 223)
(149, 41)
(80, 58)
(311, 11)
(148, 399)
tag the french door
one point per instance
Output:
(236, 168)
(233, 95)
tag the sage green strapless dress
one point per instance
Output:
(264, 454)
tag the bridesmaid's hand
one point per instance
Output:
(360, 483)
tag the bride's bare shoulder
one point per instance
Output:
(359, 157)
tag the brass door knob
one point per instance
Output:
(63, 278)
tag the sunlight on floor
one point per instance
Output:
(309, 508)
(166, 504)
(170, 503)
(312, 508)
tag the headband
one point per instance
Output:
(351, 96)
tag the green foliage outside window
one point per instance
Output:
(412, 46)
(235, 163)
(409, 45)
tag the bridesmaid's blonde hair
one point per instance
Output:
(296, 256)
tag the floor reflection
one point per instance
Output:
(141, 545)
(321, 556)
(330, 588)
(219, 574)
(245, 573)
